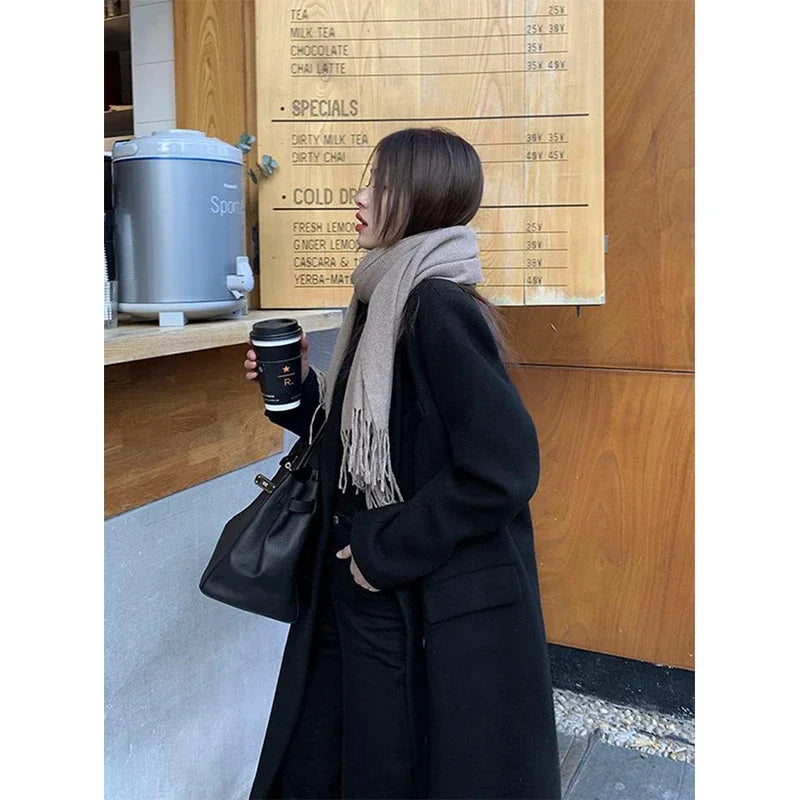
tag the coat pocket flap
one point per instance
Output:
(472, 591)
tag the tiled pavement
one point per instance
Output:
(594, 770)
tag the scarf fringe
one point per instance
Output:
(367, 458)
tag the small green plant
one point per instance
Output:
(266, 166)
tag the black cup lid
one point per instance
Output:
(271, 329)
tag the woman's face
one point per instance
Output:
(367, 226)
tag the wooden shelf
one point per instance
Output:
(118, 123)
(134, 341)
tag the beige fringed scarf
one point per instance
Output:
(383, 279)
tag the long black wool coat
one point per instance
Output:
(459, 553)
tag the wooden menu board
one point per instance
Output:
(519, 79)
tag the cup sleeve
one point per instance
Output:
(298, 420)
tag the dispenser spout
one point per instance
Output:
(243, 280)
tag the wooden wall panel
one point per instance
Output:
(614, 511)
(210, 67)
(173, 422)
(648, 318)
(614, 515)
(215, 80)
(251, 127)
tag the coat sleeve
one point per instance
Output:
(493, 469)
(298, 420)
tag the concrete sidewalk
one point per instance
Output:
(591, 769)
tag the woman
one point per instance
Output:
(419, 667)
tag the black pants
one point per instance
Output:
(353, 735)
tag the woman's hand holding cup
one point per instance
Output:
(250, 363)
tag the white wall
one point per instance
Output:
(153, 64)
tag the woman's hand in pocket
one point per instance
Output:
(354, 570)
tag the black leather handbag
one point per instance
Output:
(260, 560)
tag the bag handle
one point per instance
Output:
(314, 438)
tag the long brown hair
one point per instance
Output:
(433, 179)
